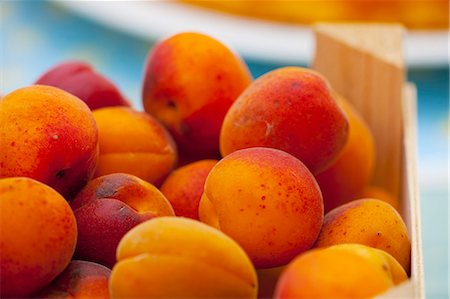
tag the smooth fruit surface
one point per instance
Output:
(341, 271)
(266, 200)
(370, 222)
(190, 82)
(80, 280)
(107, 208)
(81, 80)
(175, 257)
(292, 109)
(184, 187)
(49, 135)
(38, 234)
(345, 179)
(133, 142)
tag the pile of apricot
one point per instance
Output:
(225, 187)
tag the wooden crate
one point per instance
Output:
(365, 64)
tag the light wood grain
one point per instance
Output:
(364, 63)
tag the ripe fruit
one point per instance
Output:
(81, 80)
(80, 279)
(175, 257)
(38, 236)
(345, 179)
(292, 109)
(190, 82)
(133, 142)
(341, 271)
(184, 187)
(370, 222)
(107, 208)
(266, 200)
(49, 135)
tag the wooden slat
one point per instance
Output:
(364, 63)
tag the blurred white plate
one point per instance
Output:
(254, 39)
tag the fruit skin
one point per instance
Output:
(134, 142)
(266, 200)
(49, 135)
(184, 187)
(190, 82)
(107, 208)
(38, 234)
(340, 271)
(81, 80)
(81, 279)
(381, 194)
(176, 257)
(345, 179)
(370, 222)
(292, 109)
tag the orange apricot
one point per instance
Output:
(266, 200)
(371, 222)
(135, 143)
(340, 271)
(184, 187)
(49, 135)
(176, 257)
(352, 171)
(38, 234)
(190, 81)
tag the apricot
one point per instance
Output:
(381, 194)
(38, 234)
(266, 200)
(49, 135)
(292, 109)
(79, 280)
(135, 143)
(345, 179)
(175, 257)
(371, 222)
(184, 187)
(107, 208)
(190, 82)
(340, 271)
(81, 80)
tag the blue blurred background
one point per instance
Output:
(35, 35)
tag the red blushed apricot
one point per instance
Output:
(38, 234)
(370, 222)
(107, 208)
(81, 80)
(190, 82)
(49, 135)
(80, 279)
(266, 200)
(184, 187)
(351, 172)
(292, 109)
(341, 271)
(134, 142)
